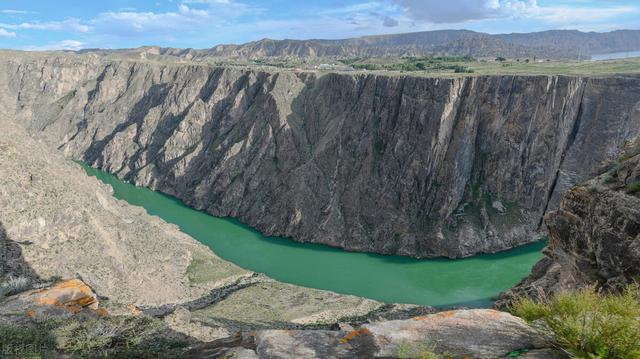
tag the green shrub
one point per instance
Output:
(634, 187)
(95, 334)
(14, 285)
(25, 342)
(408, 350)
(608, 178)
(588, 324)
(116, 337)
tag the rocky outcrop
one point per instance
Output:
(594, 237)
(458, 334)
(407, 165)
(62, 299)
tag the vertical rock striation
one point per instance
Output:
(405, 165)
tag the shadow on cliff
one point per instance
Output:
(219, 134)
(13, 263)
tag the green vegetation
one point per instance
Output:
(205, 268)
(633, 187)
(408, 350)
(411, 64)
(282, 64)
(446, 66)
(91, 337)
(14, 285)
(588, 324)
(26, 342)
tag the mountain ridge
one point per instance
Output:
(553, 44)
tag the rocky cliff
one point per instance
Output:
(407, 165)
(594, 237)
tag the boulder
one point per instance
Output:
(476, 333)
(64, 298)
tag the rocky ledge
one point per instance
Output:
(594, 237)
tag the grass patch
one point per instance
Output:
(14, 285)
(408, 350)
(206, 268)
(28, 342)
(633, 187)
(91, 337)
(587, 324)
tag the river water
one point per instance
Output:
(436, 282)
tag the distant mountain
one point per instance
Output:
(583, 44)
(556, 44)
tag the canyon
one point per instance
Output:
(416, 166)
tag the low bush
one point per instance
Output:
(14, 285)
(25, 342)
(408, 350)
(634, 187)
(588, 324)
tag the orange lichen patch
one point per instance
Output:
(101, 312)
(447, 314)
(31, 313)
(74, 309)
(494, 313)
(66, 294)
(134, 310)
(353, 334)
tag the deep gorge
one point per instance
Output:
(413, 166)
(443, 283)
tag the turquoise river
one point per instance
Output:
(436, 282)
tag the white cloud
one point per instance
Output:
(564, 15)
(71, 24)
(72, 45)
(579, 13)
(14, 12)
(185, 19)
(453, 11)
(5, 33)
(67, 45)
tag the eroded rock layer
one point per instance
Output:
(407, 165)
(594, 237)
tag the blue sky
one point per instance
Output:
(71, 24)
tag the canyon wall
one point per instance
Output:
(594, 236)
(390, 164)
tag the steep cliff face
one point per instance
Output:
(407, 165)
(594, 237)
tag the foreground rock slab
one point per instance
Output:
(477, 333)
